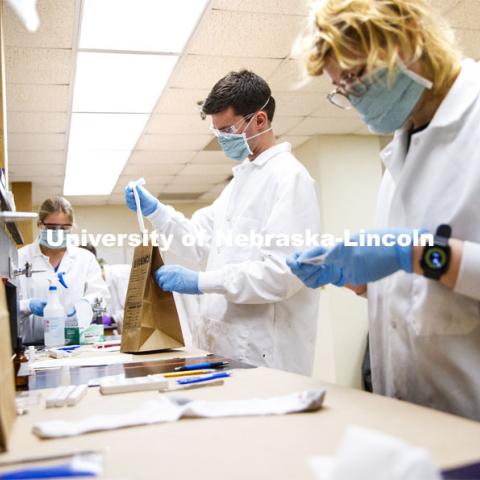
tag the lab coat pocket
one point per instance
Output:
(437, 310)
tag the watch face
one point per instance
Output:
(436, 258)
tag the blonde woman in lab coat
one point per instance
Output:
(76, 270)
(395, 63)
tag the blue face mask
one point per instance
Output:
(235, 145)
(385, 107)
(55, 239)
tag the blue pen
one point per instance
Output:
(60, 471)
(214, 376)
(201, 366)
(68, 348)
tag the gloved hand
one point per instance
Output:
(107, 320)
(174, 278)
(37, 305)
(148, 203)
(312, 275)
(357, 265)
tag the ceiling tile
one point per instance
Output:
(144, 157)
(57, 20)
(182, 124)
(469, 42)
(36, 141)
(212, 169)
(243, 34)
(298, 104)
(38, 98)
(152, 181)
(186, 189)
(284, 7)
(465, 15)
(211, 157)
(26, 157)
(40, 193)
(181, 101)
(203, 71)
(281, 125)
(38, 65)
(202, 180)
(173, 142)
(294, 140)
(35, 171)
(30, 122)
(326, 126)
(152, 169)
(291, 76)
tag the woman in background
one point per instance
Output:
(75, 271)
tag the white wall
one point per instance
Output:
(348, 172)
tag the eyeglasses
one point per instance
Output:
(353, 85)
(57, 226)
(232, 129)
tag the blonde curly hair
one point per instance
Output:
(378, 33)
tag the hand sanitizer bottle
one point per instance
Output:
(54, 320)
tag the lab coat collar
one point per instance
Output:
(265, 156)
(463, 93)
(36, 252)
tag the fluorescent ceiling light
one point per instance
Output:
(98, 149)
(93, 172)
(118, 82)
(139, 25)
(105, 131)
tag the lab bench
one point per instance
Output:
(276, 447)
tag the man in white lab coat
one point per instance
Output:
(424, 301)
(252, 307)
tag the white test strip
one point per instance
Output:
(59, 396)
(76, 395)
(314, 260)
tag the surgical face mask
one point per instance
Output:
(56, 239)
(385, 107)
(235, 145)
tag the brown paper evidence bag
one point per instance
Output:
(151, 320)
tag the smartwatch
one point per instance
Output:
(436, 258)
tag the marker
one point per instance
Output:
(188, 381)
(190, 373)
(201, 366)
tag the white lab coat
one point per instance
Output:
(82, 276)
(116, 277)
(424, 337)
(254, 309)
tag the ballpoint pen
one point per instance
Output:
(188, 373)
(187, 381)
(201, 366)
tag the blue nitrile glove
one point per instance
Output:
(37, 305)
(313, 276)
(358, 265)
(174, 278)
(148, 203)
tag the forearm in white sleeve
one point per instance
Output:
(468, 281)
(167, 221)
(295, 209)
